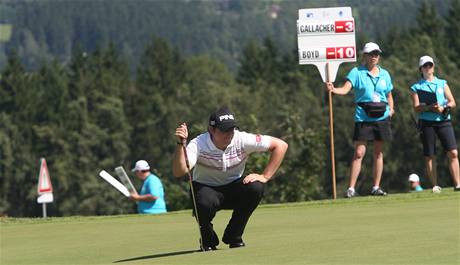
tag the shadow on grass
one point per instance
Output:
(159, 255)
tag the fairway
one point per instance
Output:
(422, 228)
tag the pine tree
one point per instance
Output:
(160, 73)
(453, 30)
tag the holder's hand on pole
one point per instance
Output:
(330, 87)
(345, 89)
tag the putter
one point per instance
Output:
(189, 174)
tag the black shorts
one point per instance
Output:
(376, 130)
(445, 132)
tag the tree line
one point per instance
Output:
(92, 114)
(47, 29)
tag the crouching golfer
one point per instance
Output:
(218, 158)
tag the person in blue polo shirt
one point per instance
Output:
(432, 100)
(151, 197)
(374, 106)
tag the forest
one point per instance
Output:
(97, 108)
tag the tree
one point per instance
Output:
(160, 73)
(259, 62)
(453, 30)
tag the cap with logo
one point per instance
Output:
(370, 47)
(223, 119)
(141, 165)
(425, 59)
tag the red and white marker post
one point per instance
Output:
(44, 189)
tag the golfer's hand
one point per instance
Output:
(254, 177)
(182, 133)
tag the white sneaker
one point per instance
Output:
(351, 193)
(437, 189)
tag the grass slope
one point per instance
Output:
(422, 228)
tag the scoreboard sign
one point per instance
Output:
(326, 36)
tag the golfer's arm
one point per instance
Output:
(278, 149)
(179, 166)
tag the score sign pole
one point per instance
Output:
(44, 189)
(326, 38)
(331, 135)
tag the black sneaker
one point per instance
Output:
(209, 237)
(236, 245)
(233, 243)
(207, 248)
(378, 192)
(211, 248)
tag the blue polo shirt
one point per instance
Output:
(152, 185)
(437, 87)
(368, 88)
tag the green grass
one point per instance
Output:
(412, 228)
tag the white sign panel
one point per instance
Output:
(326, 36)
(45, 198)
(325, 13)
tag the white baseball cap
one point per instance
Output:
(425, 59)
(370, 47)
(141, 165)
(413, 177)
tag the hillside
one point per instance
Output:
(46, 30)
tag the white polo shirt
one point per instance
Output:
(215, 167)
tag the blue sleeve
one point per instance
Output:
(353, 76)
(443, 83)
(155, 187)
(414, 88)
(390, 83)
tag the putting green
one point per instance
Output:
(412, 228)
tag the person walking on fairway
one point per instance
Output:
(218, 159)
(374, 106)
(151, 197)
(432, 100)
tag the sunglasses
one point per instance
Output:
(373, 54)
(428, 65)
